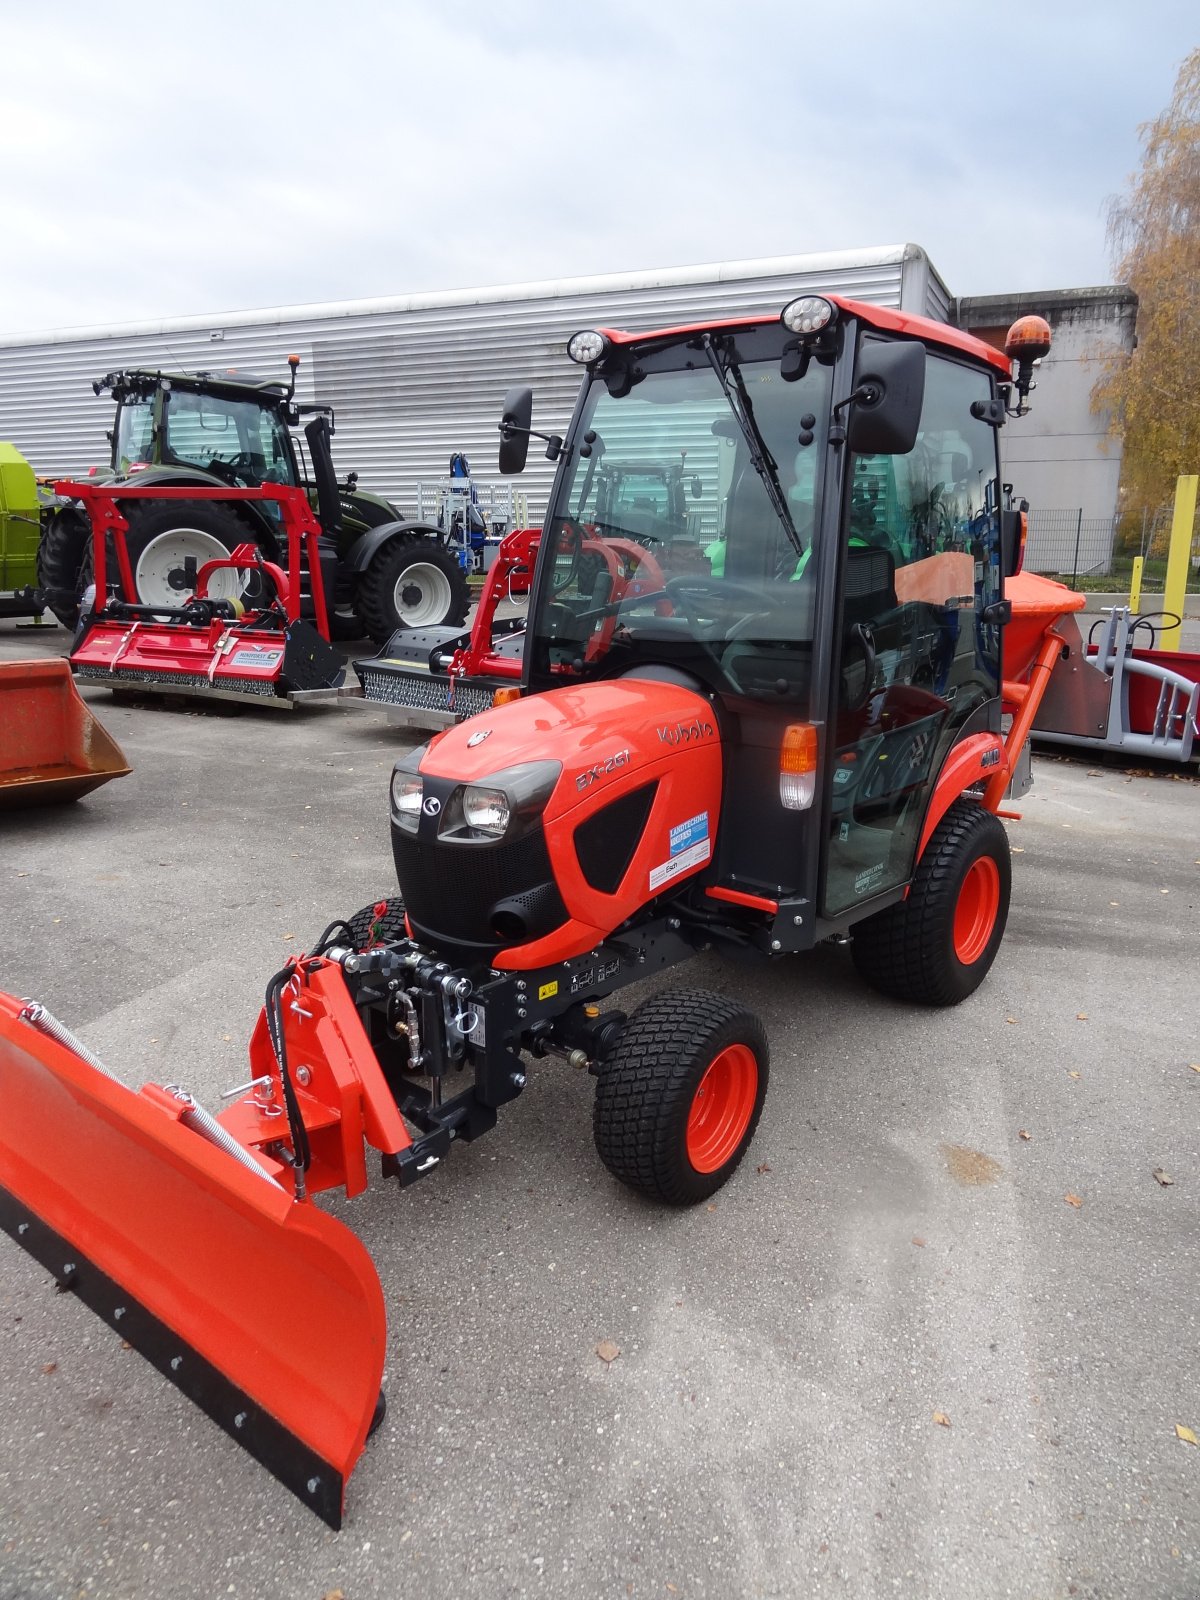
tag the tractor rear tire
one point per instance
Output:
(936, 947)
(679, 1098)
(390, 923)
(162, 535)
(411, 583)
(65, 542)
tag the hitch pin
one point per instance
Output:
(265, 1083)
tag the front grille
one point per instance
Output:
(122, 677)
(424, 693)
(450, 891)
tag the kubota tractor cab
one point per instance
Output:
(382, 571)
(801, 743)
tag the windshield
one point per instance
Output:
(667, 547)
(216, 432)
(135, 427)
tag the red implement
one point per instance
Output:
(268, 1313)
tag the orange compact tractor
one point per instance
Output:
(752, 716)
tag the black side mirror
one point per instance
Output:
(514, 429)
(890, 383)
(1012, 542)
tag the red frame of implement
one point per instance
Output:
(300, 527)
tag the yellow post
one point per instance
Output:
(1135, 586)
(1178, 555)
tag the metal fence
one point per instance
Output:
(1075, 548)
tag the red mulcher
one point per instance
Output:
(219, 641)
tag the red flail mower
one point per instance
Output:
(751, 717)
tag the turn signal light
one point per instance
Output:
(798, 766)
(501, 697)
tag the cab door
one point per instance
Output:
(919, 665)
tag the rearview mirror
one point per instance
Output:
(1014, 526)
(514, 429)
(884, 422)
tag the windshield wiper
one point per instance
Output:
(764, 462)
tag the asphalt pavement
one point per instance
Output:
(935, 1338)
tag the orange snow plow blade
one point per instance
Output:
(51, 746)
(266, 1312)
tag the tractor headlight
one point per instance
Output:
(504, 805)
(586, 346)
(809, 314)
(407, 792)
(486, 811)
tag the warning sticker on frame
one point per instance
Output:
(690, 846)
(256, 658)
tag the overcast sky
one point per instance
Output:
(161, 160)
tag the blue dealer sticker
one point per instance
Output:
(689, 833)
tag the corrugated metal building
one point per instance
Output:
(418, 377)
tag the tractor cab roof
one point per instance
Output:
(880, 317)
(229, 385)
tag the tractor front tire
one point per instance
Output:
(411, 583)
(388, 924)
(164, 535)
(936, 947)
(64, 545)
(678, 1100)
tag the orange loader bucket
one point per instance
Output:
(51, 746)
(267, 1312)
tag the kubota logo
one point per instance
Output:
(686, 732)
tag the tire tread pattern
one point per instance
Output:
(645, 1089)
(373, 602)
(906, 951)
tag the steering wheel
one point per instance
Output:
(229, 470)
(688, 589)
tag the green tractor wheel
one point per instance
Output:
(411, 583)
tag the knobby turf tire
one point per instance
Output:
(375, 601)
(645, 1092)
(908, 951)
(391, 923)
(65, 541)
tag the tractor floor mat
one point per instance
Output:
(51, 746)
(266, 1312)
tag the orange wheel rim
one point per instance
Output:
(977, 910)
(722, 1107)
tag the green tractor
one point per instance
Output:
(381, 570)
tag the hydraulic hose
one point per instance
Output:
(301, 1152)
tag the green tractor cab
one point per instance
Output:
(381, 570)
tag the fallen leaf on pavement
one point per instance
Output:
(1010, 1019)
(334, 1594)
(918, 1241)
(762, 1167)
(1073, 1200)
(1195, 1065)
(1074, 1074)
(1081, 1016)
(289, 935)
(942, 1420)
(1024, 1133)
(1185, 1434)
(607, 1350)
(1162, 1177)
(51, 1366)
